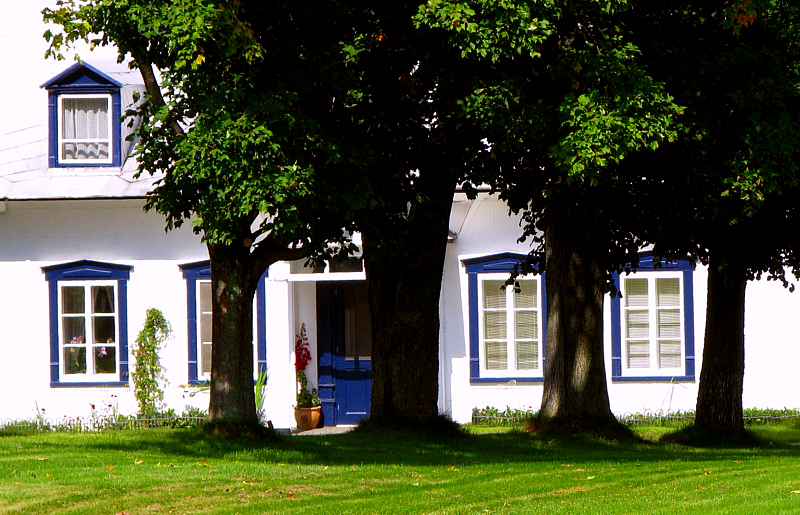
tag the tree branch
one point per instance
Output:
(152, 86)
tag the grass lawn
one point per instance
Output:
(488, 471)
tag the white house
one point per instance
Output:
(81, 262)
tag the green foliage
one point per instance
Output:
(260, 391)
(306, 397)
(148, 371)
(495, 29)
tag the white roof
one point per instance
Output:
(24, 170)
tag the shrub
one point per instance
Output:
(148, 371)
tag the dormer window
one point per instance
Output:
(85, 129)
(85, 105)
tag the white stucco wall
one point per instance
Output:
(772, 335)
(37, 234)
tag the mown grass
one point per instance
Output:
(488, 470)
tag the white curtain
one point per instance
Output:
(85, 128)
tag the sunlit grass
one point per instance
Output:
(492, 469)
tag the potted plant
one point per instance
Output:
(307, 412)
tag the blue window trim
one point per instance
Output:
(496, 263)
(646, 265)
(83, 78)
(201, 270)
(87, 270)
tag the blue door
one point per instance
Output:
(344, 343)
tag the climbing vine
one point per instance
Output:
(148, 371)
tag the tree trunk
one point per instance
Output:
(404, 286)
(575, 394)
(719, 398)
(234, 279)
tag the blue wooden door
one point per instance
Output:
(344, 339)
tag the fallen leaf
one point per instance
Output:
(580, 470)
(453, 467)
(48, 475)
(248, 483)
(42, 459)
(570, 491)
(110, 467)
(291, 495)
(203, 464)
(138, 462)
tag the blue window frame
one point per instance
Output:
(88, 323)
(652, 325)
(84, 118)
(198, 295)
(506, 325)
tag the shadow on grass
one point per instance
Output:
(401, 446)
(769, 437)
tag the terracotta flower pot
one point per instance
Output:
(307, 418)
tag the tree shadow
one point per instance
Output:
(405, 448)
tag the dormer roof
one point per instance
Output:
(81, 75)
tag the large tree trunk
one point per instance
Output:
(575, 394)
(234, 279)
(719, 398)
(404, 283)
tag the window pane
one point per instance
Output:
(85, 118)
(494, 325)
(527, 355)
(668, 292)
(104, 330)
(638, 354)
(84, 151)
(526, 325)
(102, 299)
(205, 296)
(105, 360)
(74, 360)
(74, 330)
(669, 323)
(635, 292)
(637, 324)
(72, 299)
(205, 358)
(494, 296)
(496, 356)
(527, 296)
(669, 354)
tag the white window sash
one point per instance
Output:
(89, 345)
(202, 374)
(652, 316)
(510, 341)
(94, 140)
